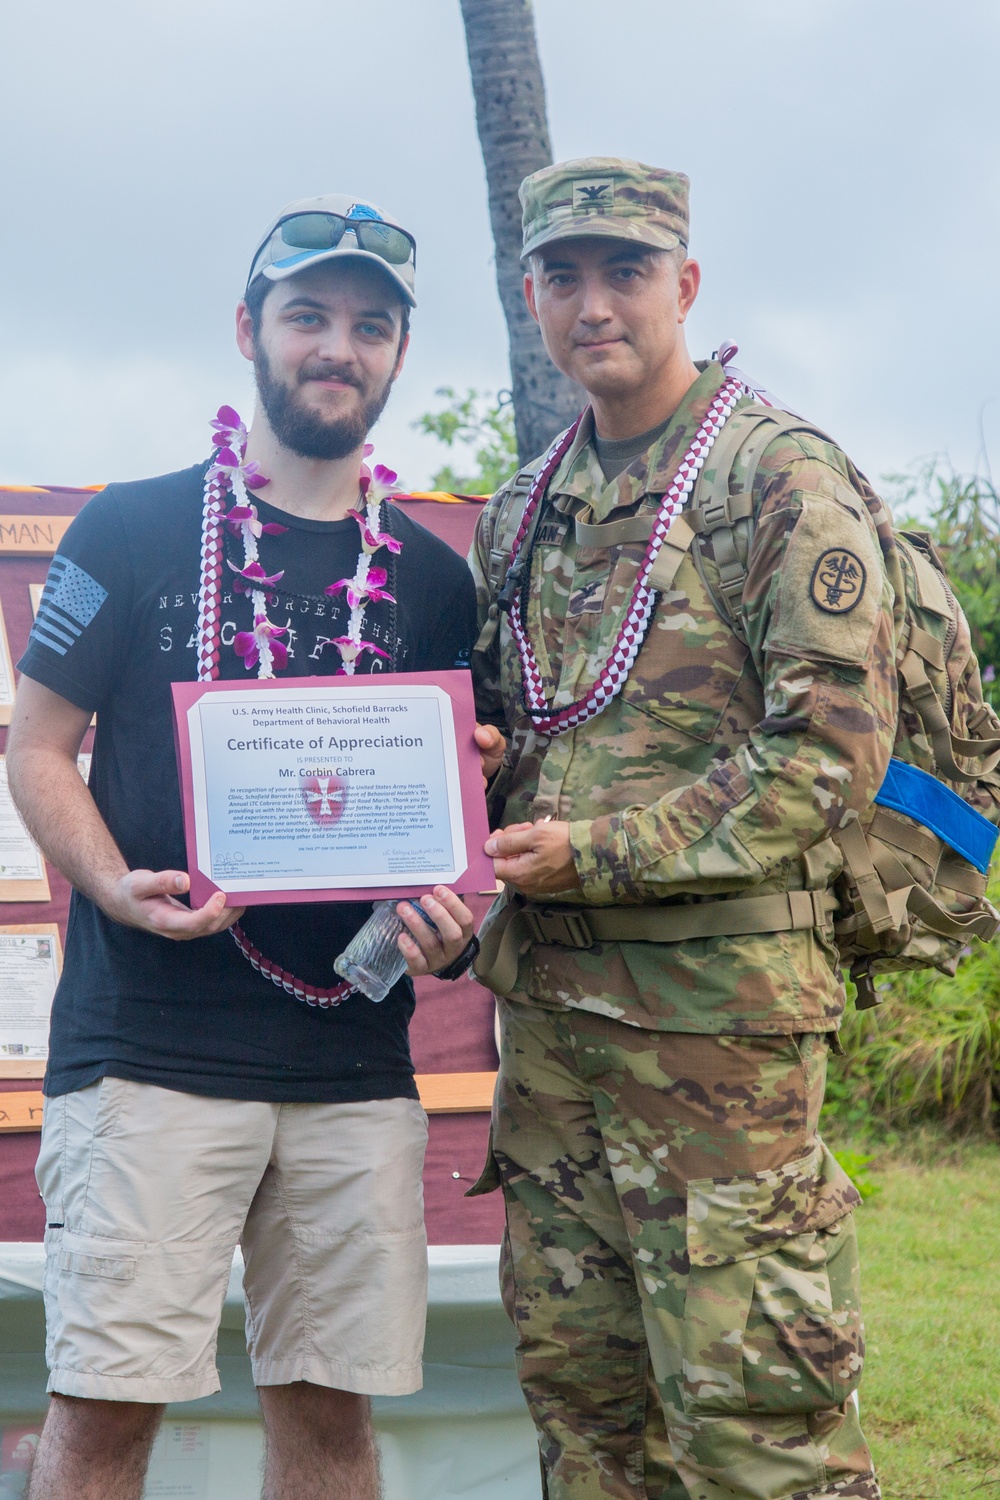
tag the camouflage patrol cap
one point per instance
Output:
(605, 195)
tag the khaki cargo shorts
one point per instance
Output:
(147, 1194)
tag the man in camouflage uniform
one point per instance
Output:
(680, 1262)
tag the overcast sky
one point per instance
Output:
(845, 202)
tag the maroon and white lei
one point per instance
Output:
(632, 632)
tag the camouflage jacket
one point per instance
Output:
(722, 765)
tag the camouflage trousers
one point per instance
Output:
(680, 1262)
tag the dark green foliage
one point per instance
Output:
(964, 520)
(482, 429)
(930, 1052)
(855, 1164)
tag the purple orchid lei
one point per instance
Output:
(261, 646)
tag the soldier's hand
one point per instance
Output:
(535, 858)
(491, 749)
(425, 949)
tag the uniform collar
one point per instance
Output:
(580, 478)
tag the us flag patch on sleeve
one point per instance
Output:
(70, 600)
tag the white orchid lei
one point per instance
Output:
(261, 646)
(231, 478)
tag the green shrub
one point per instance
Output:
(929, 1052)
(480, 427)
(855, 1164)
(962, 512)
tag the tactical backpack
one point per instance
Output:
(912, 893)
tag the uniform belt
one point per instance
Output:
(521, 924)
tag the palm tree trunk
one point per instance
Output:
(514, 135)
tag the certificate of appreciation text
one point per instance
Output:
(331, 788)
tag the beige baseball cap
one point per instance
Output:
(335, 225)
(605, 195)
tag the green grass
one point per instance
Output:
(930, 1244)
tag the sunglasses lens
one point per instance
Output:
(325, 231)
(382, 240)
(313, 231)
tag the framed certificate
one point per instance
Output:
(6, 675)
(23, 876)
(331, 788)
(30, 961)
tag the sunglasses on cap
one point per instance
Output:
(324, 231)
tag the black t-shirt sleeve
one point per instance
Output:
(72, 645)
(451, 616)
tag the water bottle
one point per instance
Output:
(372, 961)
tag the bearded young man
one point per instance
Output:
(191, 1102)
(691, 685)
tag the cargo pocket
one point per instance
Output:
(110, 1267)
(772, 1316)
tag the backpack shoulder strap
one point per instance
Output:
(710, 497)
(508, 519)
(923, 651)
(726, 515)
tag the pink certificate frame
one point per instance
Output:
(478, 874)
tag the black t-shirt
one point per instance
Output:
(115, 627)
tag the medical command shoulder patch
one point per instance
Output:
(838, 581)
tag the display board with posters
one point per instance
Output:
(452, 1033)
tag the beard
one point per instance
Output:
(307, 432)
